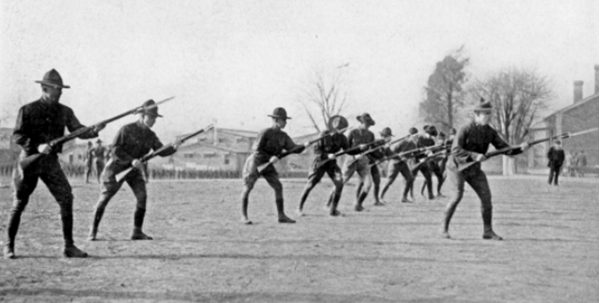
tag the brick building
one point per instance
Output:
(582, 114)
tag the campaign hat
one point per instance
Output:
(366, 118)
(483, 106)
(280, 113)
(52, 78)
(413, 130)
(153, 111)
(337, 122)
(386, 132)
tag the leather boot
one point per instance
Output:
(448, 213)
(138, 221)
(359, 202)
(9, 250)
(94, 229)
(281, 217)
(71, 251)
(488, 232)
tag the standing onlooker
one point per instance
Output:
(89, 161)
(556, 158)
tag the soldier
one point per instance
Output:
(435, 167)
(89, 161)
(98, 153)
(268, 146)
(470, 145)
(38, 123)
(326, 149)
(361, 138)
(386, 135)
(425, 140)
(132, 142)
(556, 157)
(401, 165)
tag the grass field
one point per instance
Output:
(386, 254)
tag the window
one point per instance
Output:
(225, 159)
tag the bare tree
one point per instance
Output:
(325, 97)
(444, 91)
(518, 96)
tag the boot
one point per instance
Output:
(9, 251)
(359, 202)
(71, 251)
(94, 229)
(281, 217)
(138, 221)
(488, 232)
(446, 222)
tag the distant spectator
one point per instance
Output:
(556, 158)
(581, 163)
(569, 164)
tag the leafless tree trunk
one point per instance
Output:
(325, 97)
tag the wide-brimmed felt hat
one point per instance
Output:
(366, 118)
(53, 78)
(98, 141)
(413, 130)
(280, 113)
(386, 132)
(337, 122)
(483, 106)
(432, 130)
(153, 111)
(442, 135)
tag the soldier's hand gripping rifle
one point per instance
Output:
(46, 149)
(530, 143)
(260, 168)
(429, 157)
(157, 152)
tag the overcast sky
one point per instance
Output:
(234, 61)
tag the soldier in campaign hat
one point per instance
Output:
(386, 135)
(38, 123)
(359, 140)
(469, 147)
(325, 149)
(267, 148)
(401, 164)
(132, 142)
(434, 164)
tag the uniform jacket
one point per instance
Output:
(39, 123)
(271, 142)
(133, 141)
(556, 157)
(330, 145)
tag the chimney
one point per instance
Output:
(596, 87)
(577, 91)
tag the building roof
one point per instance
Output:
(574, 105)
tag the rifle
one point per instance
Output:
(343, 152)
(260, 168)
(411, 153)
(46, 149)
(155, 153)
(531, 143)
(379, 147)
(424, 160)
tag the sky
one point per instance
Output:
(233, 62)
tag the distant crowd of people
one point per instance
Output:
(575, 162)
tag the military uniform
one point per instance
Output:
(327, 145)
(471, 141)
(400, 165)
(360, 165)
(556, 158)
(270, 143)
(133, 141)
(38, 123)
(425, 169)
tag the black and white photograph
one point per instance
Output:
(299, 151)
